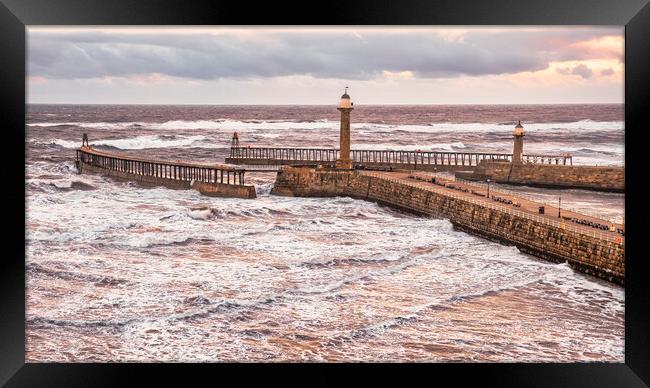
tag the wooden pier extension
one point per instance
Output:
(211, 180)
(408, 160)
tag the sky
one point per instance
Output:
(312, 65)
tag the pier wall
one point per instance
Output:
(600, 258)
(601, 178)
(210, 189)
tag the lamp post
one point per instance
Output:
(488, 191)
(559, 202)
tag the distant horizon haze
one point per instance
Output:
(333, 104)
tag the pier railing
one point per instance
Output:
(494, 188)
(165, 169)
(439, 158)
(584, 230)
(548, 159)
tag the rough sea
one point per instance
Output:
(119, 272)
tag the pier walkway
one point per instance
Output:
(412, 160)
(209, 179)
(260, 168)
(513, 203)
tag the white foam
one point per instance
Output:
(60, 142)
(583, 125)
(141, 142)
(268, 135)
(447, 266)
(411, 147)
(252, 126)
(63, 184)
(200, 214)
(97, 125)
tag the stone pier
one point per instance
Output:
(597, 253)
(597, 178)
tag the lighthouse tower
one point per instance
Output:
(345, 107)
(518, 149)
(235, 140)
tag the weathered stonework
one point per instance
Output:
(209, 189)
(601, 178)
(587, 254)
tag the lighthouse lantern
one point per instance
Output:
(345, 102)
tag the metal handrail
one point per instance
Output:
(411, 156)
(179, 171)
(91, 151)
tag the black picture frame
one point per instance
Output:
(16, 14)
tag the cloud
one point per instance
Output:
(563, 70)
(583, 71)
(607, 72)
(323, 53)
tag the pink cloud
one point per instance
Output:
(609, 47)
(37, 79)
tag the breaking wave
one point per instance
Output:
(257, 125)
(142, 142)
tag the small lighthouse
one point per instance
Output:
(235, 140)
(345, 107)
(518, 149)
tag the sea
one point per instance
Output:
(116, 272)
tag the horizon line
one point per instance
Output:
(333, 104)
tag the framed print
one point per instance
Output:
(397, 192)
